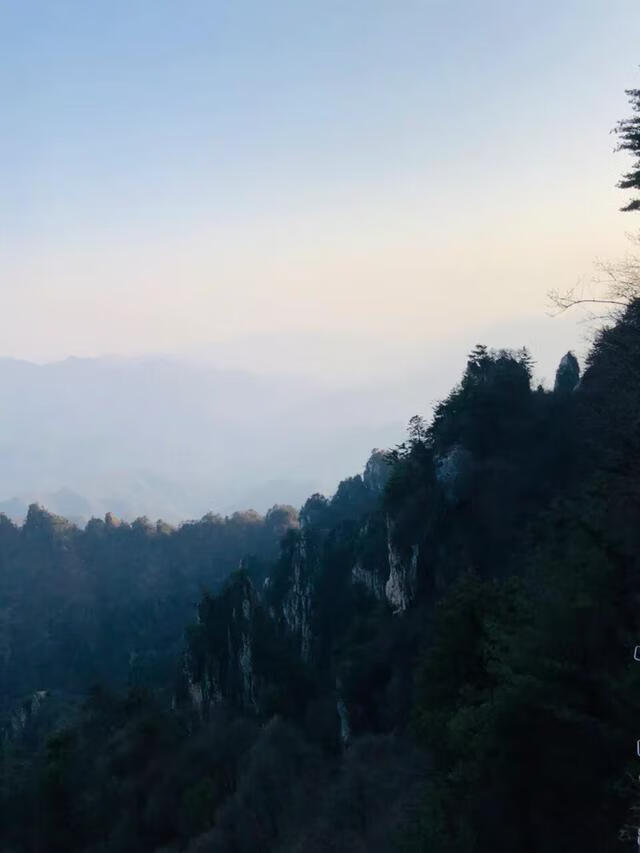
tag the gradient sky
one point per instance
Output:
(179, 173)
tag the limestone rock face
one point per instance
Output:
(370, 580)
(220, 661)
(376, 472)
(253, 648)
(567, 374)
(403, 571)
(297, 604)
(371, 567)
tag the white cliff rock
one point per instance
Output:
(403, 571)
(297, 607)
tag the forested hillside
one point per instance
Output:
(437, 658)
(109, 603)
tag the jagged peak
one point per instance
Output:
(377, 471)
(567, 374)
(40, 519)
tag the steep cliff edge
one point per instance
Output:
(258, 642)
(386, 545)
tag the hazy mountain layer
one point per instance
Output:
(167, 439)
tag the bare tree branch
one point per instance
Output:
(617, 285)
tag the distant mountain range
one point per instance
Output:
(171, 439)
(247, 424)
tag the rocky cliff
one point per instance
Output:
(388, 542)
(253, 638)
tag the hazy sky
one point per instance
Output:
(176, 173)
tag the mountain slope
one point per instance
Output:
(436, 658)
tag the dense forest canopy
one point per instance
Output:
(109, 602)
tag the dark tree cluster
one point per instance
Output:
(628, 132)
(109, 603)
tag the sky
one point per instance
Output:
(309, 185)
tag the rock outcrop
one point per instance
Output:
(371, 567)
(403, 572)
(219, 665)
(297, 602)
(376, 471)
(567, 374)
(253, 645)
